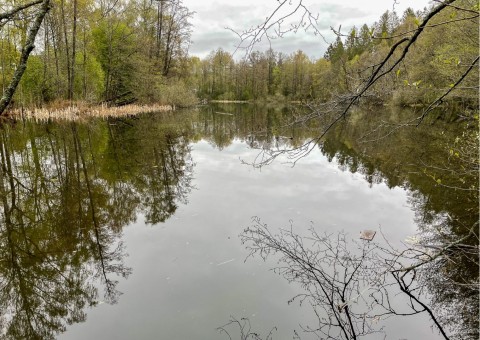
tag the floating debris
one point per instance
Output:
(367, 235)
(225, 262)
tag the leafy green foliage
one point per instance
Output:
(176, 94)
(434, 63)
(116, 52)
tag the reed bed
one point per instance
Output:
(79, 112)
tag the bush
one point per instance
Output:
(227, 96)
(176, 94)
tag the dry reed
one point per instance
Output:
(79, 112)
(230, 101)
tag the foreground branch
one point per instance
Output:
(9, 14)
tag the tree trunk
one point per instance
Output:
(22, 64)
(159, 28)
(71, 82)
(67, 50)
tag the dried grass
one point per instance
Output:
(82, 111)
(230, 101)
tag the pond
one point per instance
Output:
(129, 228)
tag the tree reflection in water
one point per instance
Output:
(440, 175)
(67, 191)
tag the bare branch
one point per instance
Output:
(9, 14)
(273, 25)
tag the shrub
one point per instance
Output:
(176, 94)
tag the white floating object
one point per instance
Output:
(225, 262)
(367, 235)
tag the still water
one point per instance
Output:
(129, 229)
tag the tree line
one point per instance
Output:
(442, 54)
(121, 51)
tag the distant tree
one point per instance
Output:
(335, 51)
(392, 49)
(365, 39)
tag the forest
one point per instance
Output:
(120, 52)
(115, 52)
(439, 57)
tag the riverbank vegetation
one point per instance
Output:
(118, 53)
(111, 52)
(438, 58)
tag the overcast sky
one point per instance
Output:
(212, 17)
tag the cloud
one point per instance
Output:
(313, 46)
(214, 16)
(205, 42)
(221, 15)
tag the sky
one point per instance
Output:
(212, 19)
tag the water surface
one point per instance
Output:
(128, 229)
